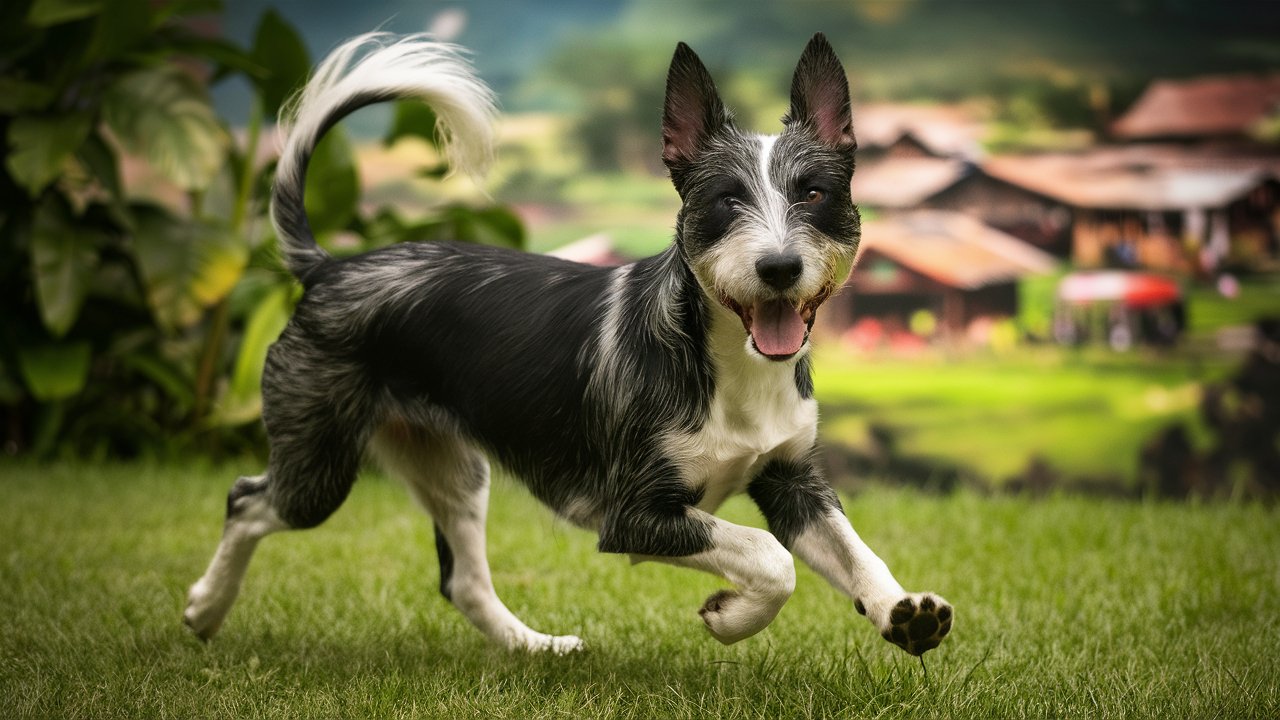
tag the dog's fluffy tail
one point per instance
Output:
(369, 69)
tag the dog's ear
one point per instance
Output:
(820, 95)
(693, 110)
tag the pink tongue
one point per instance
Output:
(777, 329)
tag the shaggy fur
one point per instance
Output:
(632, 401)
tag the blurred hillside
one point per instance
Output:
(894, 49)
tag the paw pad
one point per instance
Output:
(918, 625)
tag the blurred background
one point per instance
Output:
(1070, 275)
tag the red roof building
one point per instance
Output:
(1206, 108)
(1168, 207)
(946, 263)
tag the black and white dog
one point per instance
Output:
(633, 400)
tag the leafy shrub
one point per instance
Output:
(136, 307)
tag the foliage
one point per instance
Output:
(617, 130)
(138, 279)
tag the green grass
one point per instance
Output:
(1208, 310)
(1085, 415)
(1065, 608)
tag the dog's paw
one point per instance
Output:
(565, 644)
(554, 644)
(731, 616)
(205, 611)
(721, 619)
(918, 622)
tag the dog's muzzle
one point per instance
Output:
(778, 327)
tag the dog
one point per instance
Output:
(632, 401)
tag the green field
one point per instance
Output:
(1087, 414)
(1066, 607)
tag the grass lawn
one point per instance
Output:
(1065, 607)
(1086, 414)
(1208, 310)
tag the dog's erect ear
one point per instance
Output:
(820, 95)
(693, 110)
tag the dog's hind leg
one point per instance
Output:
(450, 478)
(315, 454)
(296, 493)
(249, 519)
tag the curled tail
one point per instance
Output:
(365, 70)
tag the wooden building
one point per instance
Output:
(1163, 207)
(898, 184)
(947, 263)
(1168, 207)
(890, 130)
(1222, 111)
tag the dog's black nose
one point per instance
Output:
(780, 270)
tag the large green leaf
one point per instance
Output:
(242, 401)
(40, 144)
(164, 373)
(162, 12)
(498, 225)
(54, 371)
(11, 391)
(333, 186)
(412, 119)
(19, 95)
(44, 13)
(164, 115)
(495, 225)
(120, 28)
(279, 49)
(64, 254)
(227, 56)
(99, 160)
(186, 265)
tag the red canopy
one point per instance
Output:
(1137, 290)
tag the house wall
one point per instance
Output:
(1244, 234)
(1254, 226)
(886, 290)
(1128, 238)
(1025, 215)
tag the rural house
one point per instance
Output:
(1224, 111)
(946, 263)
(889, 130)
(1164, 207)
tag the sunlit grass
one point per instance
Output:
(1087, 416)
(1208, 310)
(1066, 607)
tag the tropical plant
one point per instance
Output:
(139, 284)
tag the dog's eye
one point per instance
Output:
(813, 196)
(730, 201)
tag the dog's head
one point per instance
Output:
(767, 224)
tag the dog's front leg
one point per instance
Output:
(753, 560)
(805, 515)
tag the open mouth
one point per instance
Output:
(778, 328)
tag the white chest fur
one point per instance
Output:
(756, 414)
